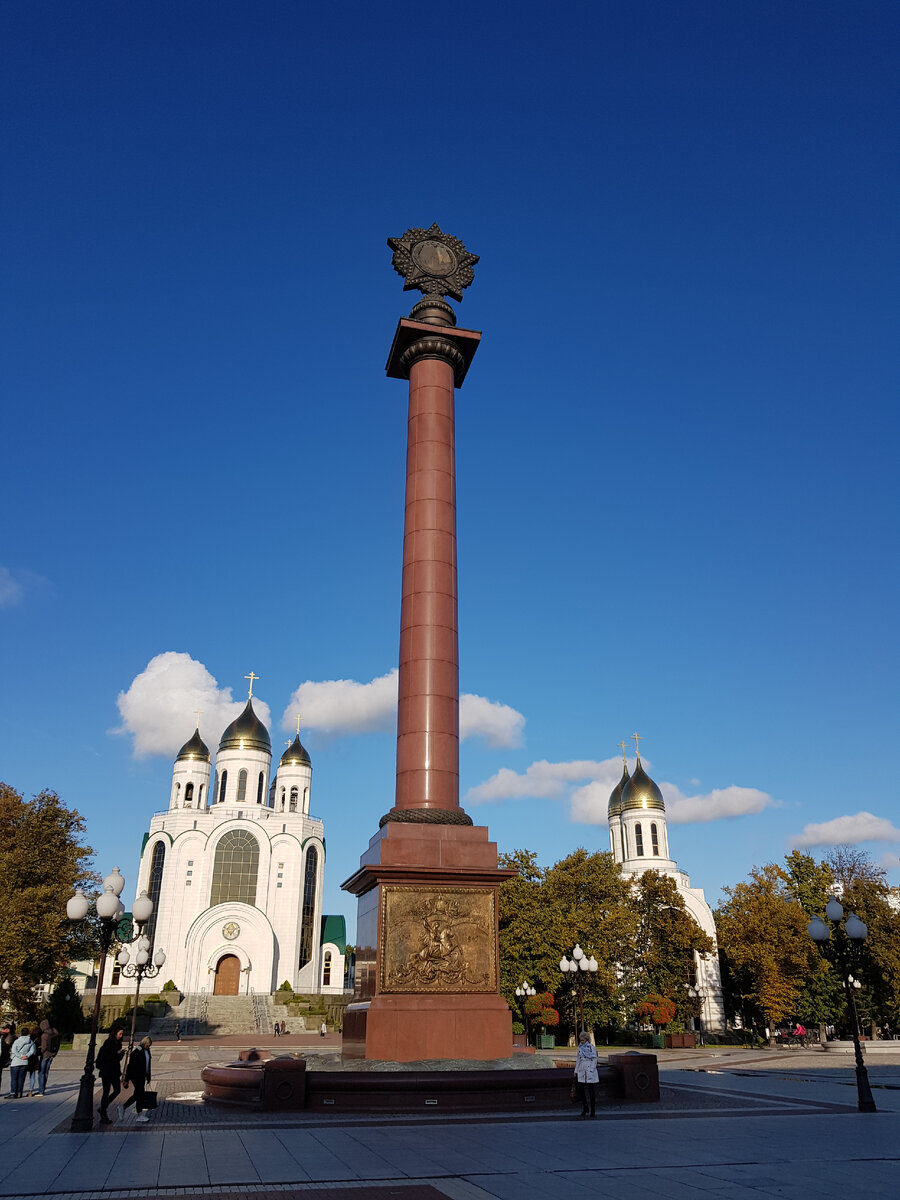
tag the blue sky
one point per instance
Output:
(676, 447)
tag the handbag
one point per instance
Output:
(148, 1100)
(573, 1093)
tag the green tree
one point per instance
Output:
(42, 861)
(762, 930)
(64, 1009)
(660, 960)
(588, 902)
(875, 962)
(522, 924)
(821, 997)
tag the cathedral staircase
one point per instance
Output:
(200, 1014)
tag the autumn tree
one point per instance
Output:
(42, 861)
(762, 930)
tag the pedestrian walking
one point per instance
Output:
(283, 1028)
(277, 1029)
(34, 1065)
(49, 1048)
(20, 1052)
(323, 1029)
(109, 1067)
(586, 1074)
(177, 1031)
(138, 1073)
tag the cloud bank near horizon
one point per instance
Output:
(588, 802)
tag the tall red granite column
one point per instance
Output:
(428, 707)
(427, 982)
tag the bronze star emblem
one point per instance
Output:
(432, 261)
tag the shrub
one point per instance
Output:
(286, 987)
(518, 1027)
(169, 986)
(659, 1010)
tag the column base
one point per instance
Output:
(420, 1028)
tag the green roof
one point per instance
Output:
(334, 930)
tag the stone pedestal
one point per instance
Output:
(427, 973)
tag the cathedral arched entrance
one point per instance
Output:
(228, 976)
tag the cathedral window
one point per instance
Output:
(654, 838)
(293, 799)
(639, 840)
(326, 969)
(242, 787)
(200, 797)
(235, 868)
(222, 787)
(215, 787)
(117, 973)
(154, 885)
(306, 800)
(177, 792)
(308, 911)
(188, 795)
(624, 842)
(259, 789)
(282, 802)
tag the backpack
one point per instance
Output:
(54, 1042)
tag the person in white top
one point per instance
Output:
(586, 1074)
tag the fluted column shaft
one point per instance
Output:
(428, 710)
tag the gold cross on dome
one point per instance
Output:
(289, 742)
(637, 744)
(251, 677)
(624, 756)
(198, 712)
(298, 724)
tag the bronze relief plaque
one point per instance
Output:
(438, 939)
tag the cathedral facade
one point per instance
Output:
(639, 841)
(234, 867)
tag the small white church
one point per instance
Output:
(639, 841)
(235, 870)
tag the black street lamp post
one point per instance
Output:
(578, 963)
(523, 991)
(853, 932)
(142, 966)
(110, 910)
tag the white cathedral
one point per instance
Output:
(639, 841)
(235, 869)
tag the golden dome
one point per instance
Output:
(246, 733)
(641, 792)
(196, 748)
(615, 796)
(295, 755)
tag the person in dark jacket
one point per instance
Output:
(7, 1037)
(109, 1067)
(138, 1073)
(49, 1048)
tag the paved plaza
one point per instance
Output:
(735, 1124)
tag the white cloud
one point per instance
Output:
(345, 708)
(547, 781)
(11, 591)
(159, 708)
(720, 804)
(500, 726)
(847, 830)
(588, 802)
(890, 861)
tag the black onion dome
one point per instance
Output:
(615, 796)
(246, 733)
(196, 748)
(641, 792)
(296, 755)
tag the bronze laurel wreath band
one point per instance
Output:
(427, 816)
